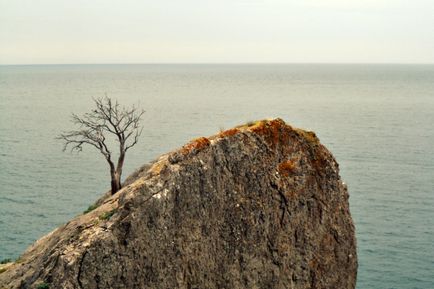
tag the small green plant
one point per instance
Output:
(4, 261)
(251, 123)
(3, 270)
(90, 208)
(107, 215)
(19, 260)
(43, 285)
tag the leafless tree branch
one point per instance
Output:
(107, 118)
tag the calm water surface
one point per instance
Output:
(378, 120)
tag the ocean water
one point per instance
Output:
(378, 121)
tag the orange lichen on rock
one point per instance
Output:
(259, 127)
(229, 132)
(197, 144)
(276, 126)
(319, 163)
(292, 194)
(287, 167)
(272, 130)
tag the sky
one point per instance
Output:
(218, 31)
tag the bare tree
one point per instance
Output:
(109, 118)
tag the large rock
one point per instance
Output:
(258, 206)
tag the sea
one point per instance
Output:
(376, 119)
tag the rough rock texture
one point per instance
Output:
(258, 206)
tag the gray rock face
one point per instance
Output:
(257, 206)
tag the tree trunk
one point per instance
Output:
(115, 182)
(117, 173)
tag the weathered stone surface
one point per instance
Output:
(257, 206)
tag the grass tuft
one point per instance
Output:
(43, 285)
(90, 208)
(107, 215)
(5, 261)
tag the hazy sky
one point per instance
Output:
(130, 31)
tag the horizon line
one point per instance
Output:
(222, 63)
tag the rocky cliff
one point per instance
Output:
(258, 206)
